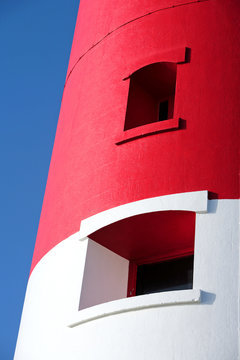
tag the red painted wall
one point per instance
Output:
(89, 173)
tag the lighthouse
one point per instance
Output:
(137, 252)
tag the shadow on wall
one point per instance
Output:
(207, 298)
(212, 206)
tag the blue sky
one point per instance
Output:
(35, 38)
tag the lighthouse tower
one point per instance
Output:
(137, 253)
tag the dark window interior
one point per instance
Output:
(163, 110)
(168, 275)
(150, 86)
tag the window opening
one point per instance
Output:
(151, 95)
(169, 275)
(163, 110)
(134, 251)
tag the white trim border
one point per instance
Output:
(195, 201)
(136, 303)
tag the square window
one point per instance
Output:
(141, 254)
(151, 95)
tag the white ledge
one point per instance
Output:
(136, 303)
(195, 201)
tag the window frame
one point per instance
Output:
(133, 266)
(196, 201)
(175, 55)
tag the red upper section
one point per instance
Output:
(89, 173)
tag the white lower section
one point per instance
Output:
(179, 330)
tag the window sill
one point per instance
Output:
(136, 303)
(148, 129)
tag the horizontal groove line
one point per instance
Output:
(122, 25)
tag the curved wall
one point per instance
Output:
(102, 175)
(89, 173)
